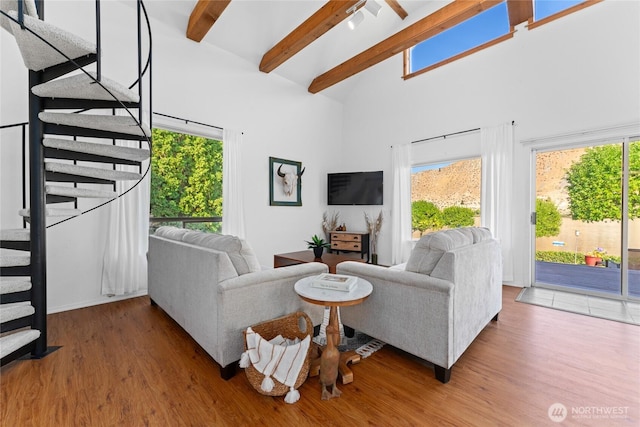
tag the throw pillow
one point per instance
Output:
(170, 232)
(220, 242)
(431, 247)
(249, 256)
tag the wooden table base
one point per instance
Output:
(346, 374)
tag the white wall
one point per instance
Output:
(202, 83)
(580, 72)
(577, 73)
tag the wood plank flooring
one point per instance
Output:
(127, 363)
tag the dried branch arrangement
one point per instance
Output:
(329, 223)
(373, 227)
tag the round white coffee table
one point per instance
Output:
(334, 299)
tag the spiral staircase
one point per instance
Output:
(69, 102)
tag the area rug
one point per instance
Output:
(603, 308)
(361, 343)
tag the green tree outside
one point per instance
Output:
(595, 184)
(425, 216)
(548, 219)
(457, 216)
(186, 176)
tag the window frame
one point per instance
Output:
(568, 11)
(451, 160)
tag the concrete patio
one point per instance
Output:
(595, 279)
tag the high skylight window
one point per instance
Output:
(545, 8)
(460, 40)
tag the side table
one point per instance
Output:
(334, 299)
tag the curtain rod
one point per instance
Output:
(186, 121)
(513, 122)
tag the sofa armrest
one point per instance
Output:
(256, 297)
(408, 310)
(296, 272)
(391, 275)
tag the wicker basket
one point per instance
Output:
(288, 327)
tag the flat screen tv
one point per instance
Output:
(354, 188)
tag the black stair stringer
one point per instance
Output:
(15, 297)
(54, 198)
(20, 245)
(85, 104)
(65, 177)
(23, 270)
(54, 153)
(53, 129)
(12, 325)
(66, 67)
(26, 349)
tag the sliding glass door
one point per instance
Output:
(587, 219)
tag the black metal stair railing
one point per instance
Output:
(23, 175)
(37, 154)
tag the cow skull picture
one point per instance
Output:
(285, 182)
(289, 180)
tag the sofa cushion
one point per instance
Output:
(249, 256)
(431, 247)
(241, 255)
(170, 232)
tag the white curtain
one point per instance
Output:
(124, 269)
(401, 203)
(497, 190)
(232, 189)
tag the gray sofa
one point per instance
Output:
(213, 286)
(435, 307)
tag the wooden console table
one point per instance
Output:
(349, 241)
(302, 257)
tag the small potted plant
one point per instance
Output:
(594, 257)
(318, 245)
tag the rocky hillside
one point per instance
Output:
(458, 184)
(455, 185)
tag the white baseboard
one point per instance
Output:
(98, 301)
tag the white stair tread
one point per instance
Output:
(81, 86)
(36, 54)
(14, 258)
(116, 151)
(10, 285)
(12, 342)
(121, 124)
(15, 310)
(110, 174)
(52, 212)
(16, 234)
(58, 190)
(7, 5)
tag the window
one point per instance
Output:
(549, 10)
(483, 30)
(445, 195)
(186, 180)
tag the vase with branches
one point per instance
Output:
(373, 227)
(329, 223)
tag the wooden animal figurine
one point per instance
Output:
(330, 359)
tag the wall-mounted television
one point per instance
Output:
(354, 188)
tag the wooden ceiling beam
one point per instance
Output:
(519, 11)
(324, 19)
(397, 8)
(204, 14)
(439, 21)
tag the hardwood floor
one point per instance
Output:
(127, 363)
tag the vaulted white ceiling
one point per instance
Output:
(249, 28)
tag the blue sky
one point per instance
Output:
(480, 29)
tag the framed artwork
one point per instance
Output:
(285, 183)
